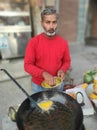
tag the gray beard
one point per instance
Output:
(50, 34)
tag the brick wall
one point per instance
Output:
(94, 22)
(68, 18)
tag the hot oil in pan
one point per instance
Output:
(63, 113)
(57, 119)
(48, 103)
(59, 98)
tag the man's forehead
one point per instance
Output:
(51, 17)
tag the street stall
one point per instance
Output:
(78, 92)
(49, 109)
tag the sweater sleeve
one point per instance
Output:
(66, 59)
(29, 60)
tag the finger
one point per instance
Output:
(59, 75)
(53, 82)
(63, 77)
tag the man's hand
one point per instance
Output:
(49, 78)
(61, 74)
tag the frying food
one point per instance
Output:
(57, 82)
(45, 105)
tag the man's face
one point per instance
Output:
(49, 24)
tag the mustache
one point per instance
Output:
(50, 34)
(51, 30)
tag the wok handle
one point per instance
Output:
(32, 101)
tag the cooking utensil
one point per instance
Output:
(65, 113)
(12, 113)
(32, 102)
(80, 98)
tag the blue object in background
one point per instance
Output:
(3, 41)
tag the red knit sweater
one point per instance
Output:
(46, 54)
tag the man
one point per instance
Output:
(47, 54)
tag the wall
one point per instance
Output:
(94, 22)
(68, 19)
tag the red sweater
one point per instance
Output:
(46, 54)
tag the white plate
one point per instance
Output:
(87, 108)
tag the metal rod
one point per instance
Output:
(30, 98)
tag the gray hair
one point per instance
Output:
(48, 11)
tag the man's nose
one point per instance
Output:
(51, 25)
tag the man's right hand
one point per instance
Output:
(49, 78)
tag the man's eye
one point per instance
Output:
(55, 22)
(47, 22)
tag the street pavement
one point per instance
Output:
(83, 58)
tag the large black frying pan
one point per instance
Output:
(65, 114)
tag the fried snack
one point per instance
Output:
(46, 85)
(84, 86)
(72, 94)
(45, 105)
(57, 82)
(95, 89)
(93, 96)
